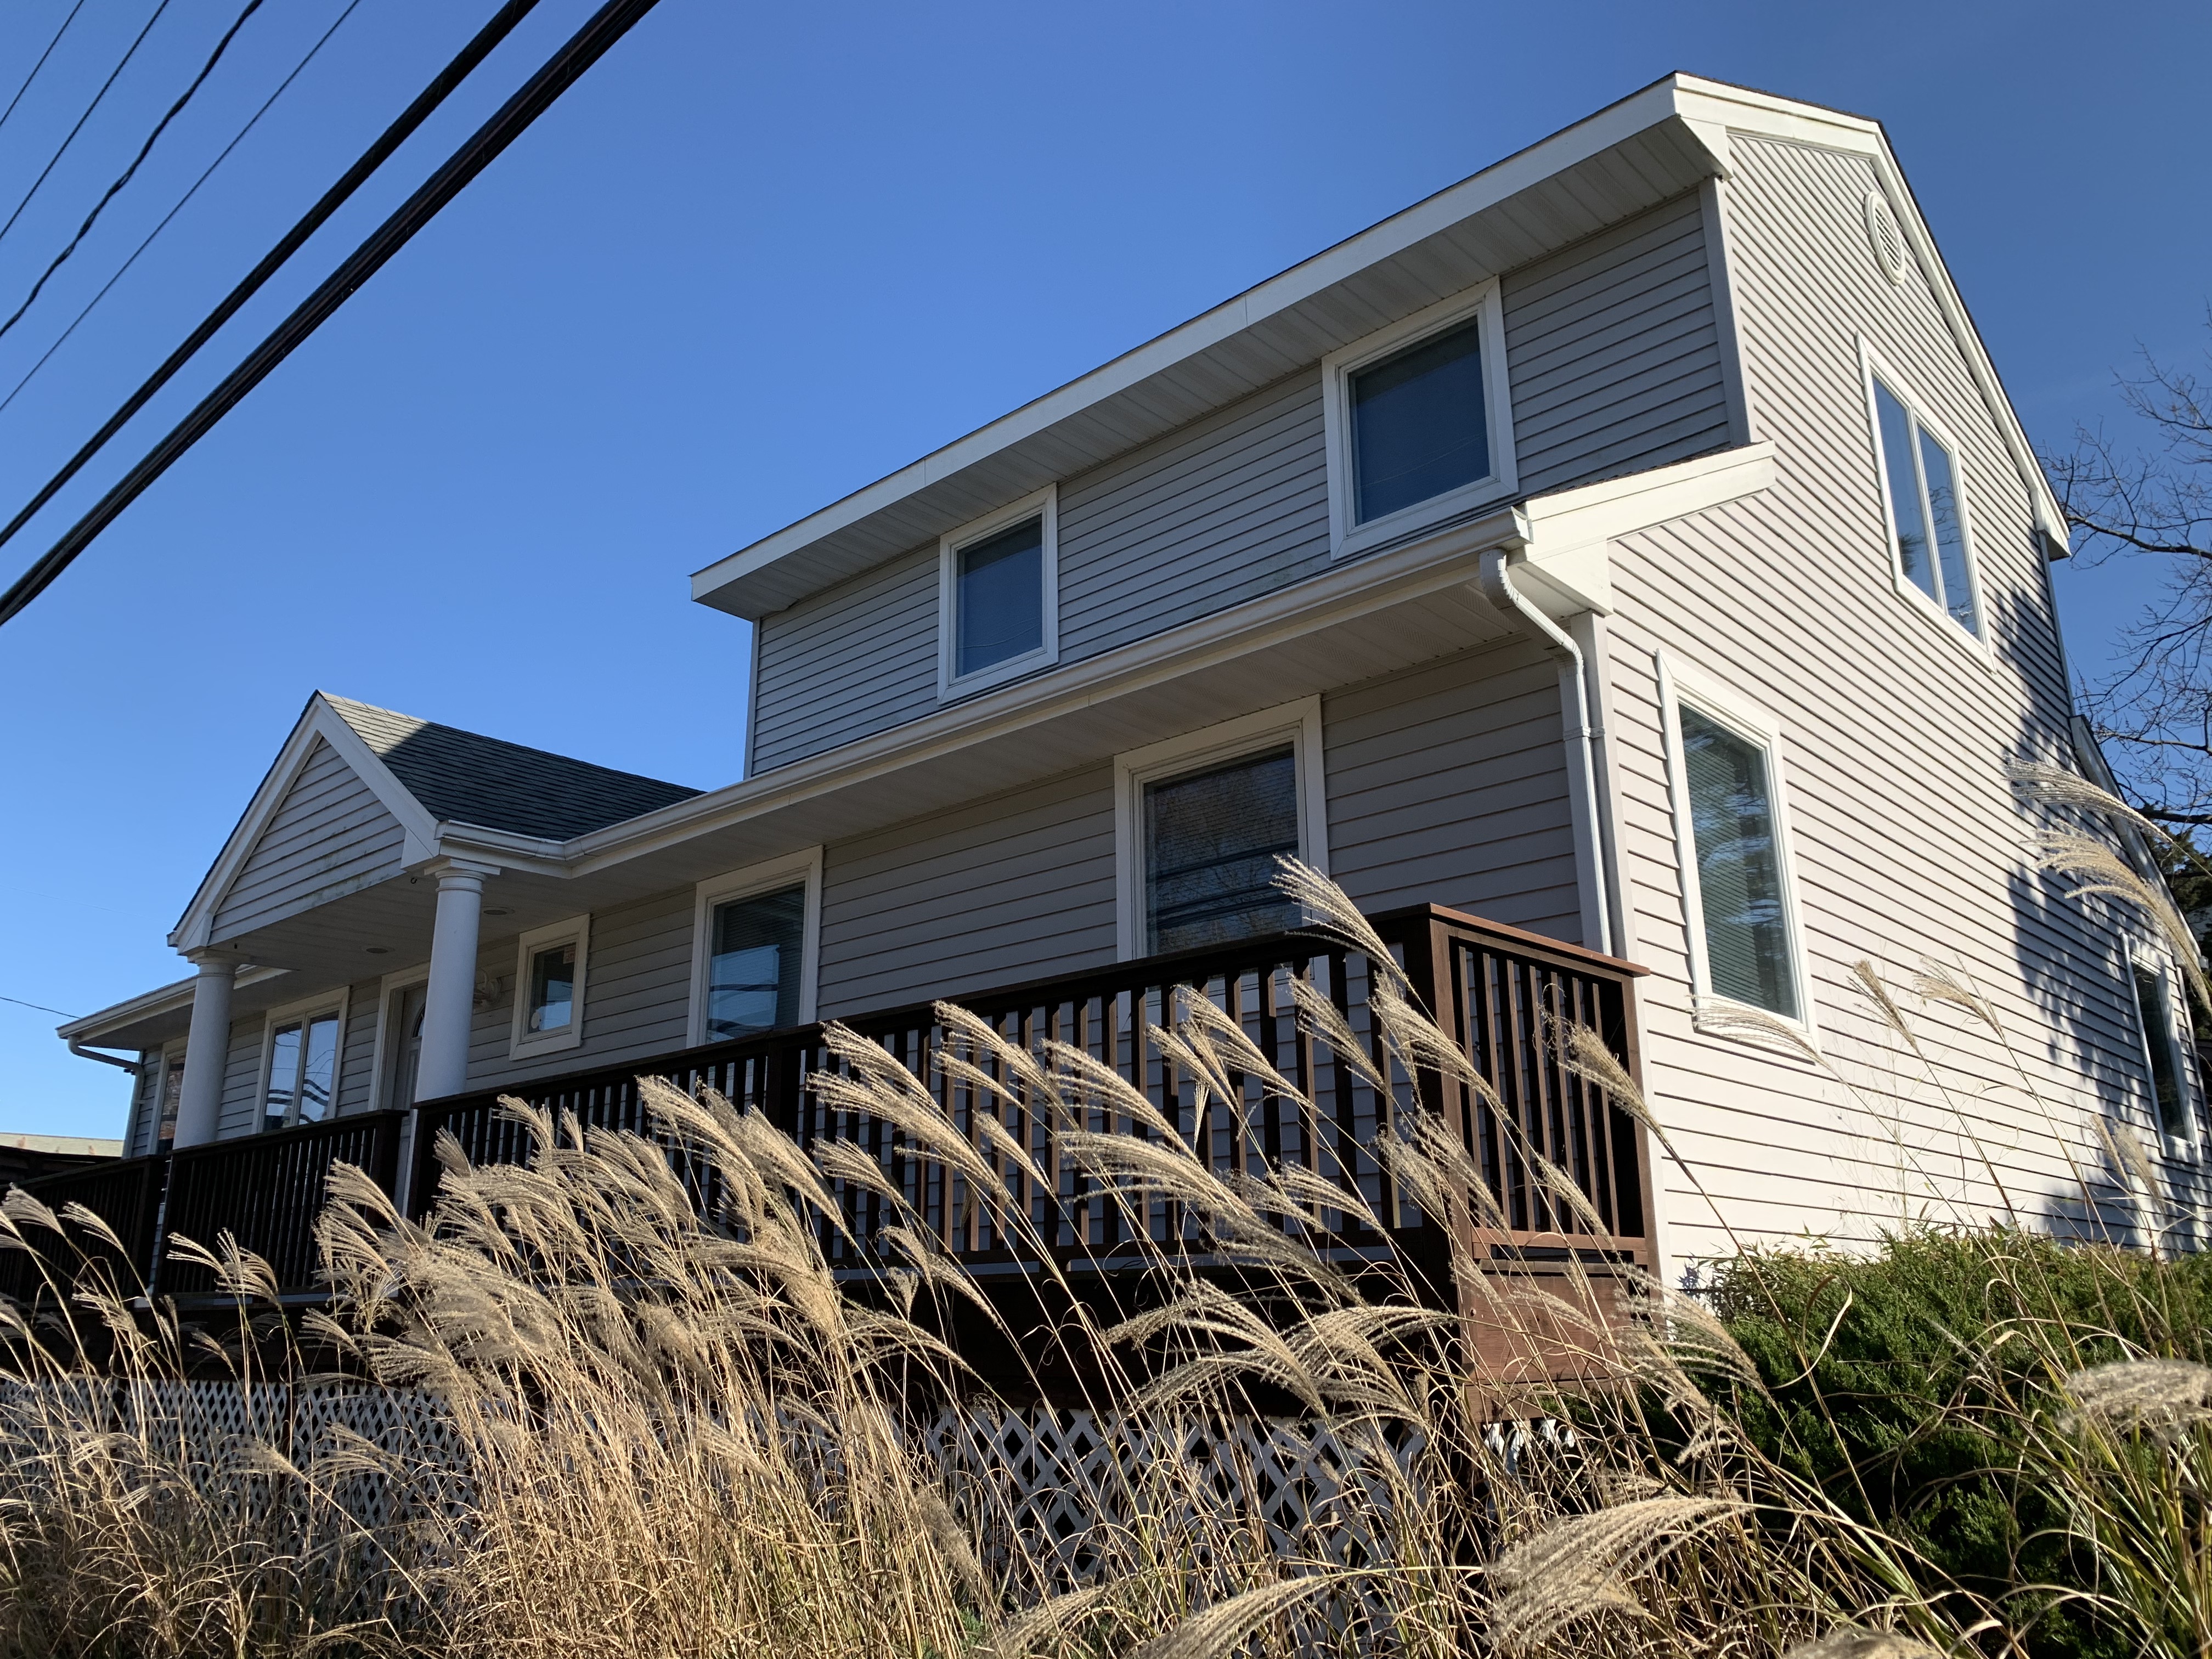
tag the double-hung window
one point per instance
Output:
(299, 1065)
(549, 988)
(1922, 506)
(1733, 845)
(1419, 427)
(998, 597)
(2161, 1052)
(1203, 822)
(753, 965)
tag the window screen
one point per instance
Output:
(553, 988)
(1000, 598)
(1739, 865)
(752, 977)
(1923, 506)
(1211, 842)
(2158, 1041)
(1418, 427)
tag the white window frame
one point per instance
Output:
(1299, 723)
(522, 1042)
(1044, 505)
(2134, 955)
(1680, 683)
(1347, 537)
(1874, 366)
(387, 992)
(764, 877)
(299, 1012)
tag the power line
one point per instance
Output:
(40, 1006)
(136, 162)
(480, 45)
(41, 63)
(513, 118)
(52, 159)
(122, 270)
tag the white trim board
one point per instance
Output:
(1299, 723)
(765, 877)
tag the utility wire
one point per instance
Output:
(41, 63)
(82, 119)
(40, 1006)
(583, 49)
(479, 47)
(61, 339)
(136, 162)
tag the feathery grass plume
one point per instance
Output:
(1585, 1566)
(2162, 1396)
(2100, 872)
(1226, 1628)
(2054, 785)
(1329, 909)
(1850, 1642)
(1736, 1020)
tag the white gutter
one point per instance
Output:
(1496, 583)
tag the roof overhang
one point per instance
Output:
(1644, 150)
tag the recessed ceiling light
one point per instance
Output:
(499, 913)
(379, 950)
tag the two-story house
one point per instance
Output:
(1630, 545)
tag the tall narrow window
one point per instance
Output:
(997, 590)
(753, 971)
(173, 1090)
(1927, 519)
(552, 1006)
(1739, 865)
(1211, 842)
(549, 988)
(1420, 428)
(2152, 1008)
(303, 1071)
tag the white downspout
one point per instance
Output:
(1496, 579)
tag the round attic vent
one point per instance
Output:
(1885, 235)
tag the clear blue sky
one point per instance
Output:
(764, 254)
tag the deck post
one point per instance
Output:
(449, 1003)
(206, 1050)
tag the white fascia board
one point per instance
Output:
(1713, 103)
(318, 720)
(1613, 125)
(151, 1005)
(1566, 559)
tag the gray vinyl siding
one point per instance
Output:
(331, 836)
(241, 1078)
(1615, 354)
(1614, 357)
(357, 1052)
(1000, 890)
(637, 985)
(1908, 847)
(1447, 784)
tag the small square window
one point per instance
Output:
(549, 988)
(998, 596)
(1927, 518)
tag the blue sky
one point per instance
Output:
(764, 254)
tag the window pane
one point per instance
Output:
(1418, 425)
(1950, 533)
(2157, 1037)
(1002, 598)
(752, 978)
(283, 1076)
(1904, 490)
(1210, 842)
(553, 988)
(318, 1073)
(1739, 873)
(172, 1089)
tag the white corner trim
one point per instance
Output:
(801, 866)
(1043, 505)
(522, 1043)
(1568, 529)
(1873, 367)
(380, 1053)
(1678, 683)
(1347, 535)
(1298, 722)
(336, 1001)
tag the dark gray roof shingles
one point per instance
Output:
(463, 778)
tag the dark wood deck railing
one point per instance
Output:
(1499, 991)
(125, 1193)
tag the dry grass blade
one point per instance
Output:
(1224, 1628)
(2102, 872)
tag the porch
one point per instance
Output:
(1503, 995)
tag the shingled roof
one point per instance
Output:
(463, 778)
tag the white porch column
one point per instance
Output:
(449, 1001)
(207, 1051)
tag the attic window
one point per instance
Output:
(998, 593)
(1926, 512)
